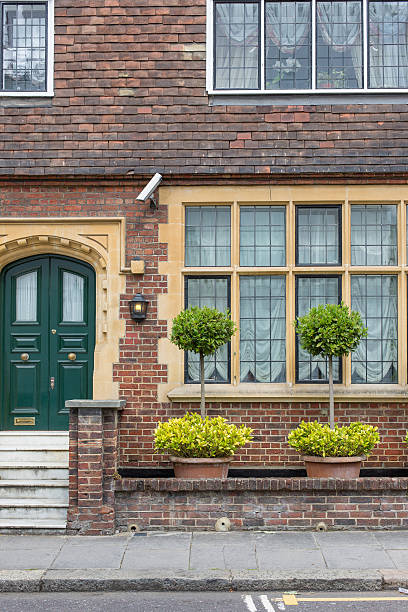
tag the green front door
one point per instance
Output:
(47, 340)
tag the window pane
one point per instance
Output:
(24, 47)
(72, 297)
(339, 51)
(318, 241)
(310, 292)
(208, 236)
(262, 236)
(288, 45)
(26, 297)
(236, 45)
(374, 235)
(375, 360)
(387, 44)
(263, 329)
(214, 293)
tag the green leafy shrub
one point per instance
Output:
(330, 330)
(203, 331)
(192, 436)
(320, 440)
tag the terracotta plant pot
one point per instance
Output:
(197, 467)
(332, 467)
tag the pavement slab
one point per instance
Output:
(282, 559)
(205, 561)
(98, 554)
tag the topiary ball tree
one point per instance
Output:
(202, 331)
(330, 331)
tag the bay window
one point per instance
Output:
(304, 46)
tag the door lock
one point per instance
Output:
(52, 383)
(53, 331)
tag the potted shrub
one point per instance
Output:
(328, 331)
(200, 448)
(333, 453)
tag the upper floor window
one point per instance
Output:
(293, 46)
(26, 55)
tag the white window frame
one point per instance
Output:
(50, 58)
(292, 92)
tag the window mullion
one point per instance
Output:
(314, 37)
(365, 44)
(262, 45)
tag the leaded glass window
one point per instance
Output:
(375, 360)
(374, 235)
(214, 293)
(263, 328)
(262, 236)
(208, 236)
(318, 235)
(312, 45)
(24, 47)
(310, 292)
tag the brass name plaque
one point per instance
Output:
(24, 420)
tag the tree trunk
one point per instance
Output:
(331, 393)
(202, 377)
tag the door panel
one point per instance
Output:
(71, 383)
(25, 388)
(47, 339)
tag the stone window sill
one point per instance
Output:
(245, 392)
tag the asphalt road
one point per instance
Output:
(200, 602)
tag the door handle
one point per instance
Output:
(24, 356)
(52, 383)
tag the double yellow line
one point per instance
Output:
(292, 600)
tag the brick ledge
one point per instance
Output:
(262, 484)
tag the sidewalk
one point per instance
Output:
(206, 561)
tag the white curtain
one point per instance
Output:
(375, 357)
(287, 24)
(26, 297)
(262, 351)
(73, 298)
(388, 50)
(237, 34)
(340, 26)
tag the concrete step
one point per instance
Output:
(34, 489)
(50, 455)
(34, 439)
(32, 512)
(24, 525)
(33, 471)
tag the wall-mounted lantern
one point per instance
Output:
(138, 307)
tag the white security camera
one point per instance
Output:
(150, 188)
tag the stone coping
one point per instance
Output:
(86, 403)
(263, 484)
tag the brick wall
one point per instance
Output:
(130, 97)
(262, 503)
(271, 423)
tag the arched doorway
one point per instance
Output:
(47, 340)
